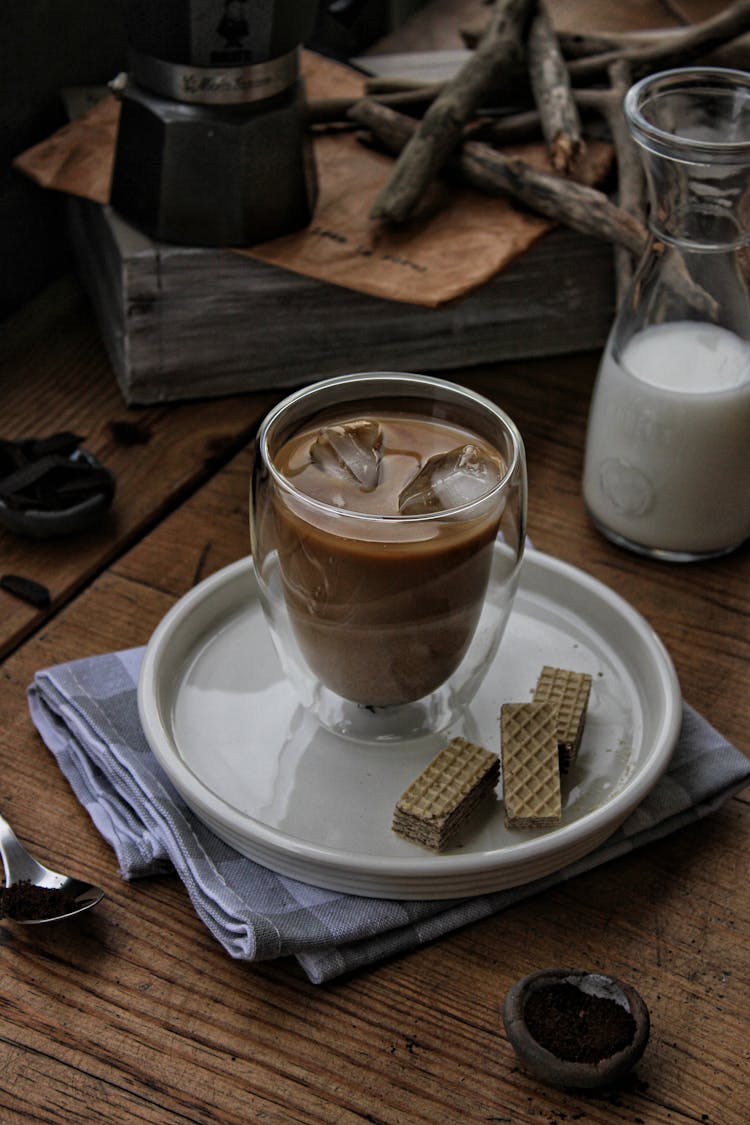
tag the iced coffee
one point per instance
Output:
(377, 522)
(384, 610)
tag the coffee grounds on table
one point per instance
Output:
(576, 1026)
(27, 589)
(26, 902)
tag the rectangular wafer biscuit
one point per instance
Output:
(446, 792)
(531, 767)
(568, 692)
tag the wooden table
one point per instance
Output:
(135, 1014)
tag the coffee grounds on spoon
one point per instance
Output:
(26, 902)
(575, 1026)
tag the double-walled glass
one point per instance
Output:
(386, 623)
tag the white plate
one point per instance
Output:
(227, 729)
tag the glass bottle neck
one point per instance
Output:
(699, 207)
(693, 129)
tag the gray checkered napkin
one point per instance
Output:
(87, 714)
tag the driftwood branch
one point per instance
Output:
(550, 82)
(512, 129)
(377, 84)
(579, 44)
(527, 125)
(673, 50)
(609, 104)
(575, 44)
(327, 111)
(444, 137)
(630, 178)
(671, 46)
(443, 123)
(577, 205)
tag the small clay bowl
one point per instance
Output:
(565, 1072)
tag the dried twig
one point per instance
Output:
(444, 121)
(578, 206)
(630, 178)
(581, 207)
(509, 130)
(377, 84)
(690, 41)
(608, 104)
(673, 50)
(561, 123)
(325, 111)
(527, 125)
(579, 44)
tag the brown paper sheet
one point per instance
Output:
(78, 158)
(459, 239)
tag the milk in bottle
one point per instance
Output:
(668, 456)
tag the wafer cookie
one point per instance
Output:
(568, 692)
(531, 768)
(435, 805)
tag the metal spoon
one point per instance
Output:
(20, 867)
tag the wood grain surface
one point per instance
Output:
(54, 376)
(134, 1014)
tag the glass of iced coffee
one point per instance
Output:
(387, 523)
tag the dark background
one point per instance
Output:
(47, 45)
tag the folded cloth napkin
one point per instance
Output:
(87, 714)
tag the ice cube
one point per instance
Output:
(350, 451)
(450, 480)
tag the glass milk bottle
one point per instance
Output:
(667, 465)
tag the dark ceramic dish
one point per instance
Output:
(49, 487)
(547, 1066)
